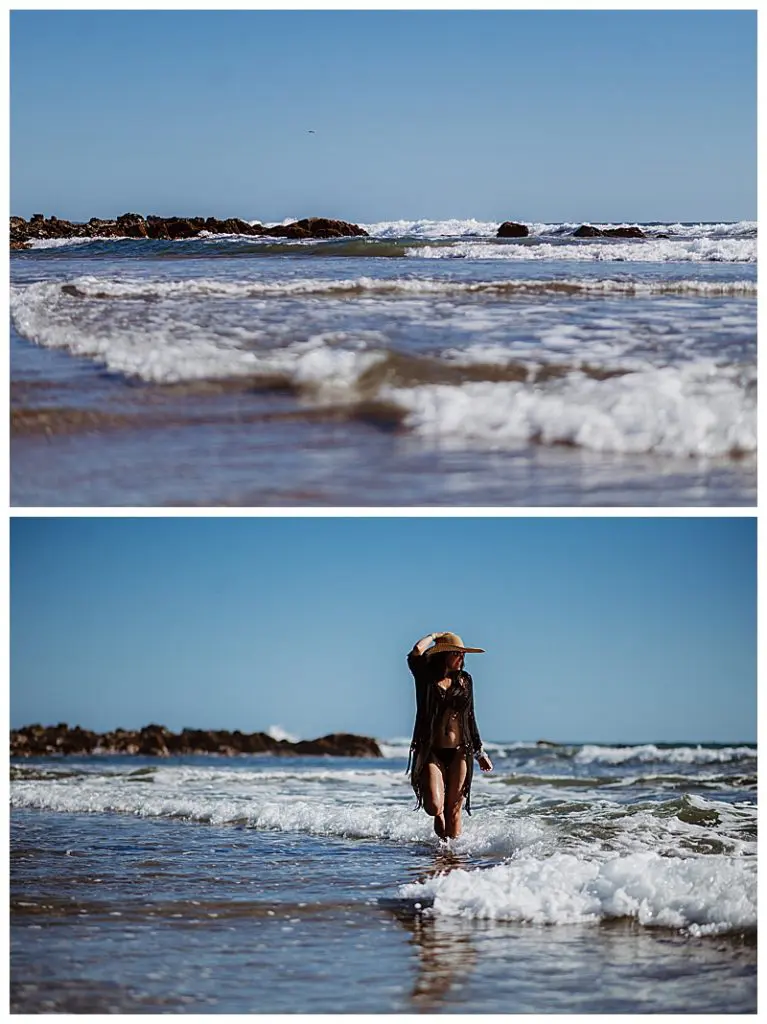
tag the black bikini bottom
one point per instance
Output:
(445, 756)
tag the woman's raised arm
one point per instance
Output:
(420, 645)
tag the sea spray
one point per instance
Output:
(702, 895)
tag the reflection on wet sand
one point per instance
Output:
(446, 954)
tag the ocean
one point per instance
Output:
(430, 364)
(589, 879)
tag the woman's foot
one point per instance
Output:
(439, 825)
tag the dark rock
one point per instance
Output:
(316, 227)
(157, 741)
(198, 740)
(134, 225)
(588, 231)
(625, 232)
(78, 741)
(95, 228)
(55, 739)
(231, 226)
(320, 227)
(156, 228)
(152, 741)
(179, 227)
(256, 743)
(510, 229)
(340, 744)
(288, 231)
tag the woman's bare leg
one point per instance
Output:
(433, 793)
(456, 776)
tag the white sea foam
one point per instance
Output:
(395, 746)
(706, 230)
(698, 409)
(432, 229)
(368, 804)
(567, 857)
(648, 752)
(57, 243)
(399, 747)
(703, 895)
(278, 733)
(691, 250)
(52, 294)
(470, 227)
(155, 347)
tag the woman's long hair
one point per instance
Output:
(438, 666)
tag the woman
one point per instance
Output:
(445, 737)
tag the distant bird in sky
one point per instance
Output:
(311, 131)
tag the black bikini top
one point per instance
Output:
(455, 696)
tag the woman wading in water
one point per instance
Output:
(445, 737)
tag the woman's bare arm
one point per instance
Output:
(421, 645)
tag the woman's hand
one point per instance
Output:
(426, 641)
(484, 762)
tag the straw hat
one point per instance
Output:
(447, 642)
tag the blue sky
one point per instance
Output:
(529, 115)
(603, 629)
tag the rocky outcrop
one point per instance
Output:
(134, 225)
(339, 744)
(157, 741)
(631, 232)
(316, 227)
(510, 229)
(588, 231)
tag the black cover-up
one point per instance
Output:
(430, 701)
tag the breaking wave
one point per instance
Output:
(703, 895)
(577, 387)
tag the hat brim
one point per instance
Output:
(452, 649)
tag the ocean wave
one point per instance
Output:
(105, 289)
(471, 228)
(278, 733)
(649, 752)
(659, 782)
(702, 895)
(60, 243)
(356, 805)
(705, 242)
(569, 390)
(425, 228)
(396, 748)
(695, 410)
(399, 747)
(693, 250)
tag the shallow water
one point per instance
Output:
(405, 369)
(589, 879)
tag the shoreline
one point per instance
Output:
(157, 741)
